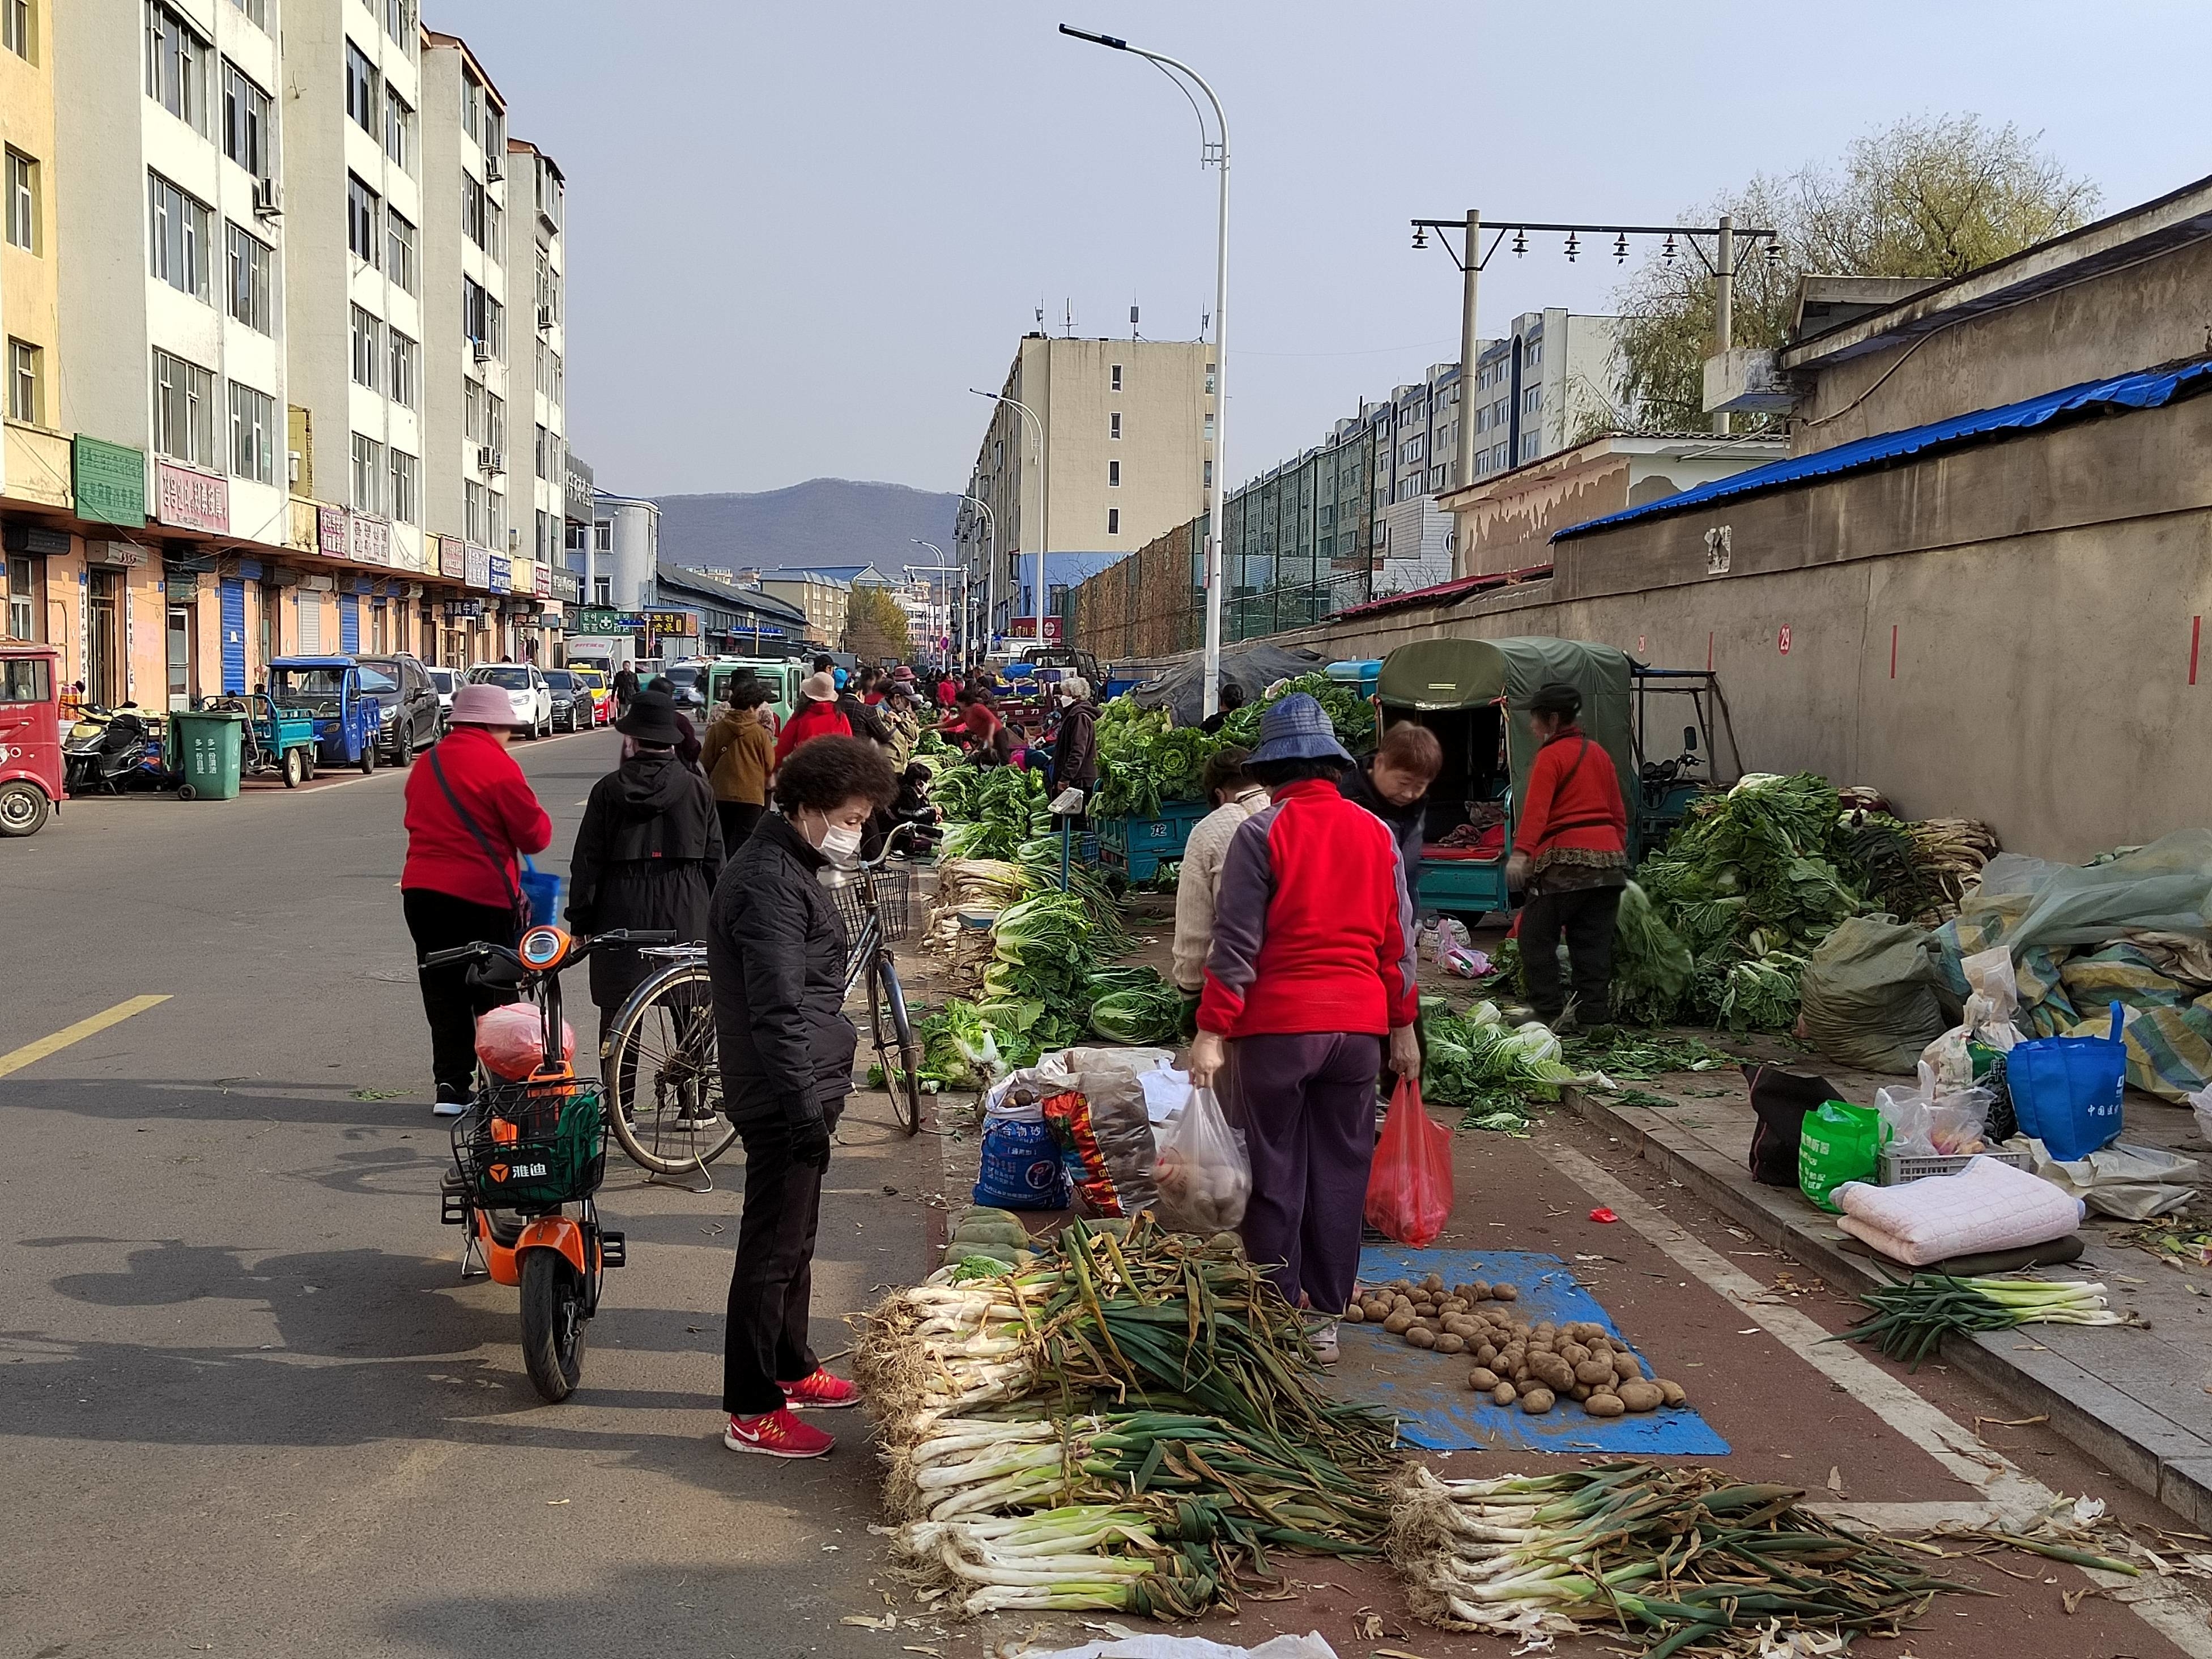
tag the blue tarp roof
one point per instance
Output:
(2146, 389)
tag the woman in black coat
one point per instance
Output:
(648, 851)
(776, 949)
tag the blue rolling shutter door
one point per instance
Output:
(349, 624)
(234, 635)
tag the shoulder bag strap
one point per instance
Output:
(469, 823)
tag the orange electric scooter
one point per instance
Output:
(527, 1159)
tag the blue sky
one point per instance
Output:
(799, 233)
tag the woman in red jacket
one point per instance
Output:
(470, 811)
(817, 716)
(1570, 853)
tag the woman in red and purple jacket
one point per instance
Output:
(1311, 970)
(1571, 853)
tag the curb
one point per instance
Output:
(2151, 1453)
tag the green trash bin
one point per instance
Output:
(207, 743)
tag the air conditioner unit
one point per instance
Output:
(483, 351)
(498, 460)
(268, 199)
(544, 319)
(483, 457)
(292, 467)
(493, 171)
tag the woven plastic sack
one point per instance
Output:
(511, 1040)
(1867, 997)
(1203, 1174)
(1409, 1187)
(1020, 1163)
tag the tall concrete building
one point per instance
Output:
(538, 192)
(1127, 448)
(1541, 386)
(34, 458)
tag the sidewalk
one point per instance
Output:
(2136, 1398)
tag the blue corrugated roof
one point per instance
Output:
(2146, 389)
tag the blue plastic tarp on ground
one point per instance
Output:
(1428, 1392)
(2146, 389)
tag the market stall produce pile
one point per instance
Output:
(1124, 1422)
(1494, 1070)
(1147, 761)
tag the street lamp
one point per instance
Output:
(990, 576)
(1216, 511)
(940, 565)
(1044, 493)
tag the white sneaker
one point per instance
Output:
(1324, 1338)
(448, 1108)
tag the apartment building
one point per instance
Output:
(539, 191)
(1118, 447)
(1543, 388)
(34, 458)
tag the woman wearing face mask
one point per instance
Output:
(776, 949)
(1075, 752)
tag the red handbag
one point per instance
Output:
(1409, 1187)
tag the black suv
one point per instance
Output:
(407, 710)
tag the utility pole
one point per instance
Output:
(1724, 299)
(1463, 450)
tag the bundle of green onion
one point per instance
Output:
(1911, 1320)
(1082, 1556)
(1683, 1557)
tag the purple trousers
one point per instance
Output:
(1306, 1104)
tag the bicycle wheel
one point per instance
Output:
(897, 1051)
(664, 1087)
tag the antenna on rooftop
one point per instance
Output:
(1133, 321)
(1068, 317)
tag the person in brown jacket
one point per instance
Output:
(739, 753)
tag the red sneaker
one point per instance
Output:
(777, 1434)
(821, 1392)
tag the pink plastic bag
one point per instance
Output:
(1409, 1188)
(511, 1040)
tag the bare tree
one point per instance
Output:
(1928, 196)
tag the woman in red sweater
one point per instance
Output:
(817, 716)
(1571, 854)
(470, 811)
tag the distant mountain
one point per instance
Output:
(822, 521)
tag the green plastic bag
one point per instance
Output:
(1841, 1142)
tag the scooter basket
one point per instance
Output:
(533, 1146)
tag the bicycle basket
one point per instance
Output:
(889, 892)
(533, 1146)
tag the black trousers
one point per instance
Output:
(739, 818)
(764, 1343)
(440, 921)
(1583, 915)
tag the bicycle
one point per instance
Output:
(530, 1151)
(658, 1057)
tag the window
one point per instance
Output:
(176, 66)
(483, 319)
(1209, 427)
(495, 510)
(406, 376)
(403, 473)
(472, 104)
(22, 204)
(548, 537)
(472, 410)
(361, 87)
(399, 21)
(1113, 521)
(603, 591)
(366, 348)
(181, 230)
(253, 433)
(495, 420)
(247, 137)
(476, 524)
(556, 394)
(542, 436)
(1534, 354)
(1114, 473)
(494, 239)
(25, 382)
(602, 536)
(398, 129)
(367, 475)
(399, 251)
(256, 11)
(495, 134)
(184, 410)
(1209, 474)
(1532, 400)
(1211, 369)
(15, 27)
(23, 617)
(250, 263)
(362, 205)
(473, 200)
(1113, 425)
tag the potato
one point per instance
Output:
(1640, 1397)
(1432, 1283)
(1451, 1342)
(1626, 1368)
(1355, 1314)
(1558, 1375)
(1537, 1401)
(1573, 1351)
(1481, 1290)
(1399, 1322)
(1670, 1394)
(1376, 1312)
(1595, 1373)
(1456, 1305)
(1504, 1293)
(1421, 1337)
(1603, 1404)
(1579, 1392)
(1482, 1379)
(1485, 1351)
(1503, 1395)
(1400, 1284)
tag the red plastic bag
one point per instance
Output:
(511, 1040)
(1409, 1189)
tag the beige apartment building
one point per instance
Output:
(35, 461)
(1127, 430)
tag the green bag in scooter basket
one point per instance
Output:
(1840, 1142)
(535, 1148)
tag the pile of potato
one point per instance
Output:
(1533, 1366)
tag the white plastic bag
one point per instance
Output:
(1993, 995)
(2201, 1103)
(1936, 1120)
(1202, 1172)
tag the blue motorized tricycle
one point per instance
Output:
(327, 691)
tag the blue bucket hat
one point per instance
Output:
(1296, 728)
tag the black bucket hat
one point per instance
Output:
(652, 718)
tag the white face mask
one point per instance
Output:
(842, 846)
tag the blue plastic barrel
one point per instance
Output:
(2066, 1091)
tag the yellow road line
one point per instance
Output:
(32, 1052)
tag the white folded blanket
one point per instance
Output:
(1987, 1205)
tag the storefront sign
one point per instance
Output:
(541, 580)
(672, 624)
(368, 541)
(331, 531)
(191, 500)
(111, 482)
(115, 555)
(478, 568)
(453, 557)
(568, 588)
(34, 539)
(606, 622)
(1025, 628)
(578, 491)
(462, 610)
(179, 587)
(500, 576)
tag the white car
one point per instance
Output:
(445, 679)
(525, 689)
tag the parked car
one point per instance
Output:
(445, 679)
(526, 690)
(573, 709)
(690, 679)
(409, 714)
(595, 680)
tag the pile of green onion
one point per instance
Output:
(1911, 1320)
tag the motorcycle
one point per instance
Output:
(108, 751)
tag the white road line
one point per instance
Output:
(2012, 1496)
